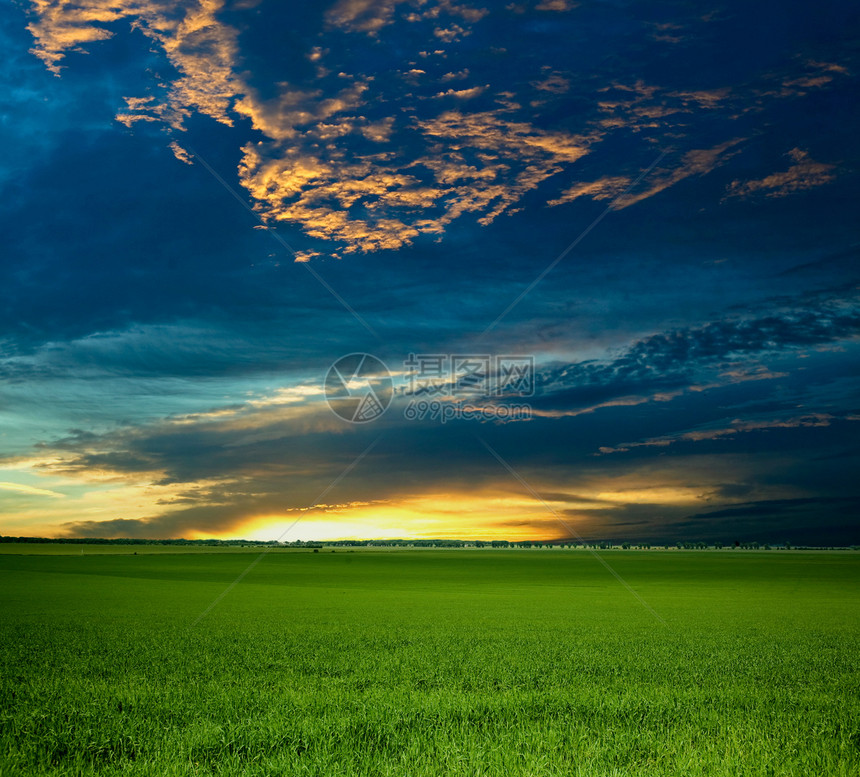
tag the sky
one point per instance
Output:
(646, 211)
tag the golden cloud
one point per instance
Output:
(180, 153)
(197, 44)
(604, 188)
(699, 161)
(362, 15)
(313, 167)
(368, 202)
(464, 94)
(489, 162)
(803, 175)
(556, 5)
(555, 83)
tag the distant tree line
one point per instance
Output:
(437, 543)
(129, 541)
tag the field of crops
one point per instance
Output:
(482, 662)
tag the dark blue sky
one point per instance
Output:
(205, 206)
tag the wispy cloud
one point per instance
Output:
(696, 162)
(661, 367)
(736, 427)
(20, 488)
(804, 174)
(362, 15)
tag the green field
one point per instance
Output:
(483, 662)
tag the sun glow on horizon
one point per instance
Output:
(450, 516)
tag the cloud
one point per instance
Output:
(20, 488)
(805, 174)
(366, 201)
(362, 15)
(283, 117)
(180, 153)
(312, 167)
(721, 339)
(309, 169)
(375, 201)
(641, 106)
(736, 427)
(201, 48)
(605, 188)
(556, 5)
(464, 94)
(460, 74)
(554, 83)
(62, 28)
(370, 16)
(783, 510)
(696, 162)
(660, 367)
(817, 74)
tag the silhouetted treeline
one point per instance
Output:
(440, 543)
(129, 541)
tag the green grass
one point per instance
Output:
(431, 663)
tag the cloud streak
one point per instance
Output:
(803, 175)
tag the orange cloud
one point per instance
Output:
(556, 5)
(180, 153)
(803, 175)
(697, 162)
(317, 190)
(555, 83)
(198, 45)
(305, 172)
(464, 94)
(604, 188)
(362, 15)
